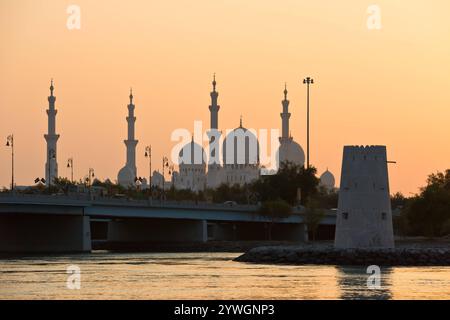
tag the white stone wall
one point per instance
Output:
(191, 176)
(364, 217)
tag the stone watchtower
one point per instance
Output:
(364, 217)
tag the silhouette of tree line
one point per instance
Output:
(427, 213)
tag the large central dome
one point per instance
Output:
(192, 153)
(240, 147)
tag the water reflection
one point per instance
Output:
(208, 276)
(352, 281)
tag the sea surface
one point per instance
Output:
(105, 275)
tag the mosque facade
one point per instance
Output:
(237, 159)
(231, 159)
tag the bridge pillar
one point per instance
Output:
(22, 233)
(157, 230)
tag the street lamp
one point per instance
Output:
(148, 154)
(39, 181)
(307, 81)
(70, 165)
(171, 170)
(51, 156)
(10, 143)
(165, 163)
(138, 182)
(90, 176)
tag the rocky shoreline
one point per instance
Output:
(301, 255)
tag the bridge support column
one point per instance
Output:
(20, 233)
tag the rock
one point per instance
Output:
(411, 256)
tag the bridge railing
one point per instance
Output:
(82, 199)
(86, 199)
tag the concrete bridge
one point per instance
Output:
(40, 223)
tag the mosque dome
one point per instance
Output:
(192, 153)
(290, 151)
(240, 146)
(126, 176)
(327, 180)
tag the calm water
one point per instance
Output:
(207, 276)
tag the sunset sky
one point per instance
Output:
(389, 86)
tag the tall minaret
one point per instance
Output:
(131, 142)
(285, 115)
(128, 173)
(214, 107)
(214, 140)
(51, 166)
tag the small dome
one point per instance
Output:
(192, 153)
(240, 146)
(327, 180)
(290, 151)
(126, 176)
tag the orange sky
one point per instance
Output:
(388, 86)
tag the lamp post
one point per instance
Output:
(307, 81)
(171, 169)
(51, 156)
(39, 181)
(148, 154)
(70, 165)
(165, 163)
(138, 182)
(91, 175)
(10, 143)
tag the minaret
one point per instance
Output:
(214, 107)
(51, 166)
(128, 173)
(285, 115)
(214, 133)
(214, 140)
(131, 142)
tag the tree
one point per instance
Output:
(313, 216)
(61, 184)
(285, 183)
(274, 210)
(428, 213)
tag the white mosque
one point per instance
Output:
(240, 154)
(236, 161)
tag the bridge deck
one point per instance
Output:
(124, 208)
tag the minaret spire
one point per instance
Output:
(214, 135)
(214, 107)
(51, 166)
(51, 87)
(128, 173)
(285, 115)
